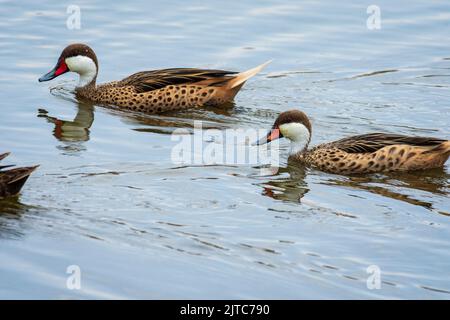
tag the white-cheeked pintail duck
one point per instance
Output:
(154, 91)
(12, 180)
(367, 153)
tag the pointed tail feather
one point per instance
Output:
(20, 173)
(442, 148)
(4, 155)
(244, 76)
(446, 147)
(439, 154)
(16, 178)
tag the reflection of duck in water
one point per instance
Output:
(400, 186)
(150, 91)
(211, 118)
(75, 130)
(292, 188)
(12, 180)
(374, 152)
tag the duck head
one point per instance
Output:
(293, 125)
(77, 58)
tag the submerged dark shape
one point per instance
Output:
(12, 180)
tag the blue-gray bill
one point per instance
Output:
(58, 70)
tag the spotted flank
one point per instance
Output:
(154, 91)
(163, 98)
(392, 156)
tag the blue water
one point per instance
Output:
(108, 198)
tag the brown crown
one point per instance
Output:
(293, 116)
(78, 49)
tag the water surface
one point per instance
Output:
(108, 198)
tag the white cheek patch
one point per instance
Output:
(298, 134)
(84, 66)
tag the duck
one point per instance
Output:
(12, 180)
(152, 92)
(360, 154)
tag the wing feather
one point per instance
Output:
(156, 79)
(372, 142)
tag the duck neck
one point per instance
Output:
(300, 144)
(86, 68)
(86, 89)
(87, 80)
